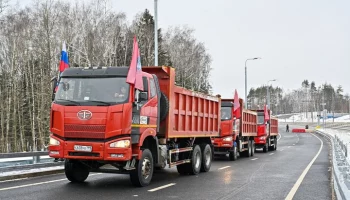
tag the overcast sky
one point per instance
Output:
(296, 39)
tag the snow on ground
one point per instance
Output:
(312, 117)
(2, 174)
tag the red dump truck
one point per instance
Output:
(99, 123)
(267, 132)
(237, 135)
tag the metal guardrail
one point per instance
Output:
(340, 166)
(36, 161)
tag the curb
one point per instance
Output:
(32, 174)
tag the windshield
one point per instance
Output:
(92, 91)
(226, 113)
(261, 119)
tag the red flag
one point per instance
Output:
(266, 112)
(236, 106)
(135, 71)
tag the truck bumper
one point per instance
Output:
(260, 141)
(99, 150)
(222, 146)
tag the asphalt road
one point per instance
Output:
(269, 175)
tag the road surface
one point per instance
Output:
(272, 175)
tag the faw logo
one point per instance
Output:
(84, 115)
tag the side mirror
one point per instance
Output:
(54, 80)
(143, 96)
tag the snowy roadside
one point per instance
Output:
(340, 140)
(5, 176)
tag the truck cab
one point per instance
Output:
(264, 139)
(98, 119)
(226, 143)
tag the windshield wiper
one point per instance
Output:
(105, 103)
(75, 102)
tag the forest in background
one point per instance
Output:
(30, 48)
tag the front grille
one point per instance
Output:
(84, 154)
(84, 131)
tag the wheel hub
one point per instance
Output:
(146, 168)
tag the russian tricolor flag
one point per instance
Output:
(64, 61)
(64, 58)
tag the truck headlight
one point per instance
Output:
(120, 144)
(54, 142)
(228, 139)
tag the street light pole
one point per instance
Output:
(246, 101)
(268, 93)
(155, 32)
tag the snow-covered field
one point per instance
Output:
(312, 117)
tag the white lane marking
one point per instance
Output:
(34, 184)
(161, 187)
(293, 144)
(271, 154)
(17, 179)
(289, 146)
(302, 176)
(281, 149)
(254, 159)
(135, 195)
(280, 137)
(224, 167)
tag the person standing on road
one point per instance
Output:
(287, 128)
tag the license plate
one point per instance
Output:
(82, 148)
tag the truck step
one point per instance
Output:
(245, 142)
(180, 150)
(172, 164)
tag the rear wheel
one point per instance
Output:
(207, 157)
(143, 173)
(75, 171)
(196, 161)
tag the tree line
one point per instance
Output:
(31, 42)
(308, 98)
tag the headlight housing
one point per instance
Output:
(120, 144)
(262, 138)
(54, 142)
(228, 139)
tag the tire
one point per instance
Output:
(253, 147)
(247, 153)
(182, 169)
(233, 154)
(266, 147)
(207, 157)
(275, 146)
(164, 106)
(196, 161)
(75, 171)
(249, 148)
(143, 173)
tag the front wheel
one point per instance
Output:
(75, 171)
(253, 148)
(233, 154)
(143, 173)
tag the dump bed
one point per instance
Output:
(191, 114)
(248, 123)
(273, 126)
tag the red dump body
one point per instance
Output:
(191, 114)
(248, 123)
(273, 126)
